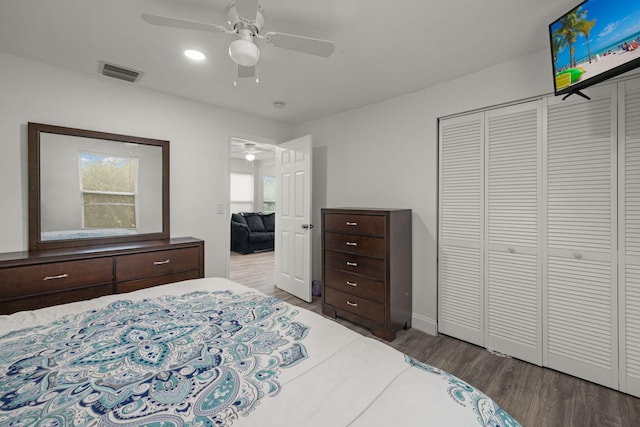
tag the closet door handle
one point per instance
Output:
(352, 264)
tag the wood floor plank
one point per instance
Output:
(535, 396)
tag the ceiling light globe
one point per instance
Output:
(250, 157)
(244, 52)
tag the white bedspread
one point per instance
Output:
(229, 358)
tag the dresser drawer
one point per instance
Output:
(354, 284)
(54, 277)
(134, 285)
(356, 305)
(365, 245)
(56, 297)
(371, 267)
(157, 263)
(373, 225)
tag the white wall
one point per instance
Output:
(198, 135)
(386, 155)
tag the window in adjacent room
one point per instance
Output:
(269, 194)
(241, 193)
(109, 191)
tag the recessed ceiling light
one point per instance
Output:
(196, 55)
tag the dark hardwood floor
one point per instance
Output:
(535, 396)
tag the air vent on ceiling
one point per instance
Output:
(119, 72)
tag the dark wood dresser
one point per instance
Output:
(31, 280)
(366, 267)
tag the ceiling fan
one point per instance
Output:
(245, 19)
(250, 151)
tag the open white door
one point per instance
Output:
(293, 217)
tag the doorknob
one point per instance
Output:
(307, 226)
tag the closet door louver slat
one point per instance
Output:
(581, 277)
(460, 254)
(513, 312)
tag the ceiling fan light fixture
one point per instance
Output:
(250, 157)
(244, 52)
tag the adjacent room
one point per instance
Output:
(329, 213)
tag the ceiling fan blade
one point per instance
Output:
(165, 21)
(300, 44)
(245, 72)
(247, 8)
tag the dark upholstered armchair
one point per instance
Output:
(252, 231)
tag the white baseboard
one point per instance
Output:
(424, 324)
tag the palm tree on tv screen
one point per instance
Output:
(584, 27)
(558, 43)
(570, 28)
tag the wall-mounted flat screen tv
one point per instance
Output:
(594, 41)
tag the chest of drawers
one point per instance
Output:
(31, 280)
(366, 267)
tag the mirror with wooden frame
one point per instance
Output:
(95, 188)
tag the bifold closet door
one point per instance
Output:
(629, 236)
(580, 286)
(460, 285)
(513, 294)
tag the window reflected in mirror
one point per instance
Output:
(93, 187)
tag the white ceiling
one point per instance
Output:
(383, 48)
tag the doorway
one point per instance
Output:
(290, 222)
(252, 189)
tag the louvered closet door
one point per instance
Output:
(629, 226)
(513, 277)
(460, 291)
(580, 288)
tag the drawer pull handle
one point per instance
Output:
(166, 261)
(351, 224)
(352, 284)
(352, 264)
(352, 244)
(352, 304)
(60, 276)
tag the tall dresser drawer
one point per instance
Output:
(54, 277)
(373, 225)
(149, 264)
(357, 264)
(354, 284)
(371, 246)
(356, 305)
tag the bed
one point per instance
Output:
(211, 352)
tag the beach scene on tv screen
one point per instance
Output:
(593, 38)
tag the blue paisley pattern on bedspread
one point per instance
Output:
(487, 412)
(199, 359)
